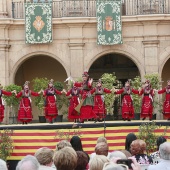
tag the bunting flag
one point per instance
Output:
(38, 23)
(109, 25)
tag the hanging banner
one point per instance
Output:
(109, 24)
(38, 23)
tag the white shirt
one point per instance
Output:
(162, 165)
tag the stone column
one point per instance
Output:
(151, 64)
(76, 50)
(3, 9)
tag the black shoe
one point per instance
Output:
(23, 123)
(168, 119)
(144, 118)
(150, 119)
(124, 119)
(128, 120)
(26, 123)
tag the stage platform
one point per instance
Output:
(28, 138)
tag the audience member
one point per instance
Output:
(65, 159)
(117, 154)
(102, 149)
(159, 141)
(97, 162)
(99, 140)
(29, 162)
(82, 160)
(3, 165)
(77, 145)
(164, 164)
(127, 153)
(138, 150)
(45, 158)
(62, 144)
(129, 139)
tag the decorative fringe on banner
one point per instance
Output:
(109, 25)
(38, 23)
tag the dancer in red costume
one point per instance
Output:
(99, 105)
(25, 110)
(127, 101)
(147, 101)
(6, 93)
(166, 105)
(50, 109)
(74, 94)
(86, 110)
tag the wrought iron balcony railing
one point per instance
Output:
(87, 8)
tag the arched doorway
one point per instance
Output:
(39, 66)
(165, 73)
(123, 67)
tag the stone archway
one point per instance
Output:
(39, 66)
(123, 67)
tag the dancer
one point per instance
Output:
(86, 105)
(50, 109)
(127, 101)
(147, 101)
(25, 110)
(166, 105)
(99, 105)
(74, 94)
(2, 108)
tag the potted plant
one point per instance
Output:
(107, 82)
(137, 100)
(6, 144)
(12, 101)
(38, 84)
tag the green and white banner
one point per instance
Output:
(109, 24)
(38, 23)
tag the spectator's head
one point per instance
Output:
(65, 159)
(82, 160)
(3, 165)
(129, 139)
(97, 162)
(138, 147)
(127, 153)
(113, 166)
(62, 144)
(44, 156)
(164, 150)
(101, 139)
(159, 141)
(102, 149)
(76, 143)
(29, 162)
(117, 154)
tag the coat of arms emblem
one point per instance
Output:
(38, 23)
(109, 24)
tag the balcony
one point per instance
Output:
(87, 8)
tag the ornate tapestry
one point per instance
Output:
(38, 23)
(109, 24)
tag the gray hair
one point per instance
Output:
(29, 162)
(117, 154)
(3, 165)
(111, 166)
(164, 150)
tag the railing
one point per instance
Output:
(87, 8)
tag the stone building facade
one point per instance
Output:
(146, 42)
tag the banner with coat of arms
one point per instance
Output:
(38, 23)
(109, 24)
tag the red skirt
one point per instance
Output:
(147, 107)
(99, 106)
(25, 111)
(72, 113)
(166, 109)
(127, 107)
(86, 112)
(1, 112)
(51, 110)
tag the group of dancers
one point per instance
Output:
(87, 102)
